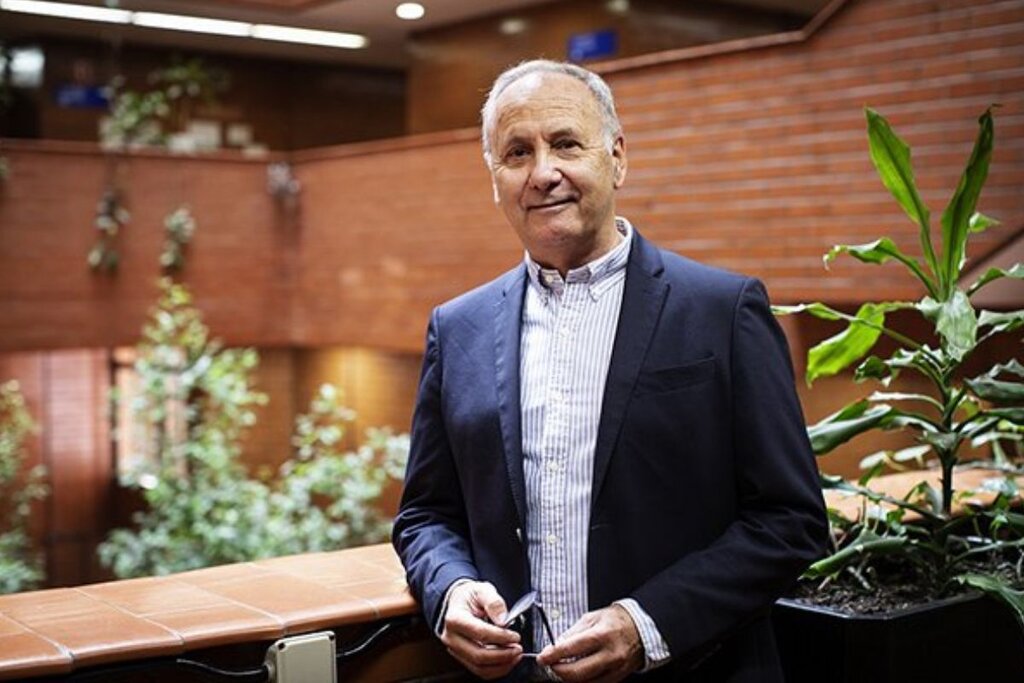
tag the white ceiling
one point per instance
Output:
(373, 18)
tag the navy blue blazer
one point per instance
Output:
(706, 502)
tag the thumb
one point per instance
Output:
(492, 603)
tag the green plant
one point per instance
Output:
(203, 507)
(179, 226)
(111, 217)
(146, 118)
(958, 418)
(20, 568)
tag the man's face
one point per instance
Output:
(554, 175)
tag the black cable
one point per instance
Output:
(258, 675)
(372, 638)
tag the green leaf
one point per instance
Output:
(891, 158)
(1014, 414)
(839, 351)
(1016, 271)
(817, 309)
(989, 388)
(998, 589)
(1001, 322)
(956, 219)
(840, 427)
(873, 367)
(980, 222)
(878, 252)
(955, 321)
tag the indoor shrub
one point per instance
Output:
(202, 506)
(20, 567)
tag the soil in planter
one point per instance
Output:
(894, 586)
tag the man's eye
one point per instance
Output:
(516, 153)
(567, 144)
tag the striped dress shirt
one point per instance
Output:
(568, 330)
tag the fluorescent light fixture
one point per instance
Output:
(67, 11)
(410, 10)
(288, 34)
(179, 22)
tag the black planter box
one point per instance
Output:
(961, 639)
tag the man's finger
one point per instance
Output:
(479, 630)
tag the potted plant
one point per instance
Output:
(922, 542)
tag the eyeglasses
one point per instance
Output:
(525, 605)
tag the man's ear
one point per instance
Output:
(619, 162)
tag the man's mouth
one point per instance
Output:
(552, 204)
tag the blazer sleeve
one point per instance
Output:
(430, 532)
(780, 523)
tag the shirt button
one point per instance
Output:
(555, 613)
(552, 539)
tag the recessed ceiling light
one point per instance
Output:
(617, 6)
(410, 10)
(65, 11)
(512, 26)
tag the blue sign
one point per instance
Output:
(75, 96)
(593, 45)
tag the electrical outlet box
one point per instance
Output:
(308, 658)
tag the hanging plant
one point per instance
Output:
(179, 226)
(111, 216)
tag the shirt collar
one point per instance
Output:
(598, 274)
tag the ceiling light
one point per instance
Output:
(288, 34)
(410, 10)
(66, 11)
(178, 22)
(617, 6)
(512, 26)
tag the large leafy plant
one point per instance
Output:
(203, 507)
(20, 567)
(959, 418)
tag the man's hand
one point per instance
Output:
(602, 646)
(470, 633)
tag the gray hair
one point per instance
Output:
(598, 88)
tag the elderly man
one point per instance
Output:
(610, 425)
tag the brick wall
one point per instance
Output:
(751, 159)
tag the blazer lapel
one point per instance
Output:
(642, 301)
(508, 323)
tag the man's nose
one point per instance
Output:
(545, 173)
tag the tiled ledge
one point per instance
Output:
(902, 483)
(57, 631)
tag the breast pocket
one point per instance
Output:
(664, 380)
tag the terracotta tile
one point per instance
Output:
(219, 625)
(147, 596)
(332, 569)
(296, 602)
(93, 631)
(26, 653)
(390, 598)
(227, 572)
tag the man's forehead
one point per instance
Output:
(555, 101)
(543, 85)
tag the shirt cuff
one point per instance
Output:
(439, 626)
(656, 651)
